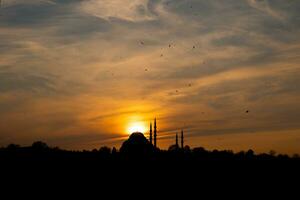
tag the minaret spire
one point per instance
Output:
(155, 132)
(177, 140)
(150, 133)
(182, 139)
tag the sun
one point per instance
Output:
(136, 127)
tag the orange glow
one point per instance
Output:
(136, 127)
(135, 123)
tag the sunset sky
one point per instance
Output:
(79, 74)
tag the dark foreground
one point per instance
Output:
(172, 172)
(52, 163)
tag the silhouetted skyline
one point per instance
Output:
(136, 147)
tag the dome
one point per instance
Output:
(137, 144)
(137, 136)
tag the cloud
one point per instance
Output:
(7, 3)
(264, 6)
(30, 83)
(131, 10)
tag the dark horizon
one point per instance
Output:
(177, 147)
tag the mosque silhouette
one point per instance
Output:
(137, 144)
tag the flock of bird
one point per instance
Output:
(189, 85)
(161, 55)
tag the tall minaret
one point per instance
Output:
(150, 133)
(155, 132)
(182, 140)
(177, 140)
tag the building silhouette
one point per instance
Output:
(182, 139)
(136, 145)
(150, 134)
(155, 133)
(153, 137)
(176, 141)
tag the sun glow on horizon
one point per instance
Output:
(136, 127)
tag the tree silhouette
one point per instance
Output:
(13, 146)
(39, 145)
(104, 151)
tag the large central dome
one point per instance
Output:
(137, 136)
(137, 144)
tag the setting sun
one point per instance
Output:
(136, 127)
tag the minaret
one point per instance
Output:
(155, 132)
(150, 133)
(182, 140)
(177, 140)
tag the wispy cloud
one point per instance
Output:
(132, 10)
(264, 6)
